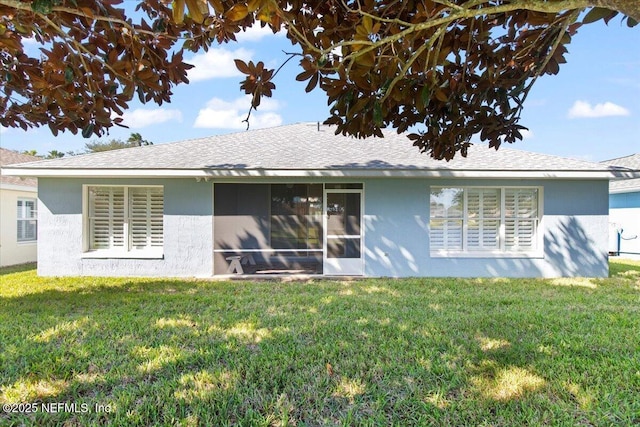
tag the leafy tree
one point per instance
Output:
(97, 146)
(30, 152)
(135, 140)
(455, 67)
(54, 154)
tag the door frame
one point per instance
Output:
(331, 266)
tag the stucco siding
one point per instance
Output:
(11, 251)
(396, 231)
(574, 224)
(187, 231)
(396, 221)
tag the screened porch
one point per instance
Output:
(278, 228)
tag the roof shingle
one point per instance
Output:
(308, 146)
(629, 162)
(9, 157)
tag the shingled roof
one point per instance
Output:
(627, 162)
(305, 149)
(9, 157)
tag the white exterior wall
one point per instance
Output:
(628, 220)
(11, 251)
(188, 222)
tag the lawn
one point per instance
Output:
(493, 352)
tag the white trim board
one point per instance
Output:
(303, 173)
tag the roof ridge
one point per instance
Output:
(620, 158)
(13, 154)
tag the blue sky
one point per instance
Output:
(590, 110)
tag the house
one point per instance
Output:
(624, 210)
(298, 199)
(18, 206)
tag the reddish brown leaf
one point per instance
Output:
(242, 66)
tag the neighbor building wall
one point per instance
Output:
(624, 218)
(574, 223)
(187, 228)
(11, 251)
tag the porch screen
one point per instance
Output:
(296, 216)
(268, 216)
(271, 226)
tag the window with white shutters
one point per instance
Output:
(146, 208)
(446, 218)
(484, 220)
(125, 219)
(521, 218)
(27, 220)
(106, 218)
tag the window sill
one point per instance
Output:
(123, 255)
(27, 242)
(487, 254)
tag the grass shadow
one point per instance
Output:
(623, 268)
(19, 268)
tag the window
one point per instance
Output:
(27, 220)
(484, 220)
(127, 220)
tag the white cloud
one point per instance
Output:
(141, 117)
(527, 134)
(216, 63)
(256, 33)
(221, 114)
(583, 109)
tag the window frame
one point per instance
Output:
(20, 240)
(128, 251)
(502, 251)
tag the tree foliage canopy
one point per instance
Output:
(451, 68)
(96, 146)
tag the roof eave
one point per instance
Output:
(626, 190)
(306, 173)
(17, 187)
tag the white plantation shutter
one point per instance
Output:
(106, 216)
(446, 219)
(146, 206)
(483, 213)
(125, 218)
(446, 234)
(521, 206)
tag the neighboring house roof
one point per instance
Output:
(625, 185)
(307, 149)
(9, 157)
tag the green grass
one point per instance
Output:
(488, 352)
